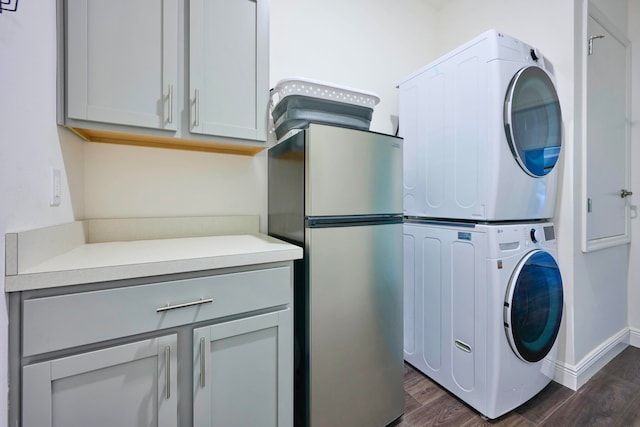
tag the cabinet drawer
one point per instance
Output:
(55, 323)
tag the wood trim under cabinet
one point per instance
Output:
(122, 138)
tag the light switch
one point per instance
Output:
(56, 184)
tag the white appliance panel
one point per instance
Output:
(463, 313)
(467, 110)
(431, 324)
(409, 294)
(476, 263)
(457, 159)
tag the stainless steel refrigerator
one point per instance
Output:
(337, 192)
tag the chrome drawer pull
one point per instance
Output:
(186, 304)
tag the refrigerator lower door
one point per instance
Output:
(355, 320)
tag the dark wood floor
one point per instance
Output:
(610, 398)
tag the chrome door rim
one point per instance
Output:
(512, 138)
(549, 335)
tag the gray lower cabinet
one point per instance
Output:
(126, 385)
(242, 372)
(204, 349)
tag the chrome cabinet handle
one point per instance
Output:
(591, 39)
(202, 362)
(167, 371)
(170, 115)
(186, 304)
(625, 193)
(196, 122)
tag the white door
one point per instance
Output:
(606, 174)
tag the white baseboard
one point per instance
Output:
(575, 376)
(634, 337)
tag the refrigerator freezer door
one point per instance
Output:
(351, 172)
(286, 189)
(355, 325)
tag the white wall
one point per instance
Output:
(634, 266)
(127, 181)
(364, 44)
(600, 277)
(29, 140)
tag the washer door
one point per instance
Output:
(533, 122)
(533, 306)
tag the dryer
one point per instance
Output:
(482, 131)
(482, 309)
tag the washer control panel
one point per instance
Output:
(506, 239)
(541, 234)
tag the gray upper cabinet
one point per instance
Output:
(122, 62)
(227, 49)
(177, 74)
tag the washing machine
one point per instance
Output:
(482, 309)
(482, 131)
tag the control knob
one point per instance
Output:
(532, 234)
(534, 55)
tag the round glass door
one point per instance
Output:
(533, 306)
(533, 122)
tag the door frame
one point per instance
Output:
(590, 245)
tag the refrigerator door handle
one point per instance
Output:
(352, 220)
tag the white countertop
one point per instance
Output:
(97, 262)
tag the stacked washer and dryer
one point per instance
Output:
(483, 292)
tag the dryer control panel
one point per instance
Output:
(544, 233)
(540, 235)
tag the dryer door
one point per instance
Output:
(533, 122)
(533, 306)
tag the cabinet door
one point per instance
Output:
(127, 385)
(228, 68)
(243, 372)
(122, 62)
